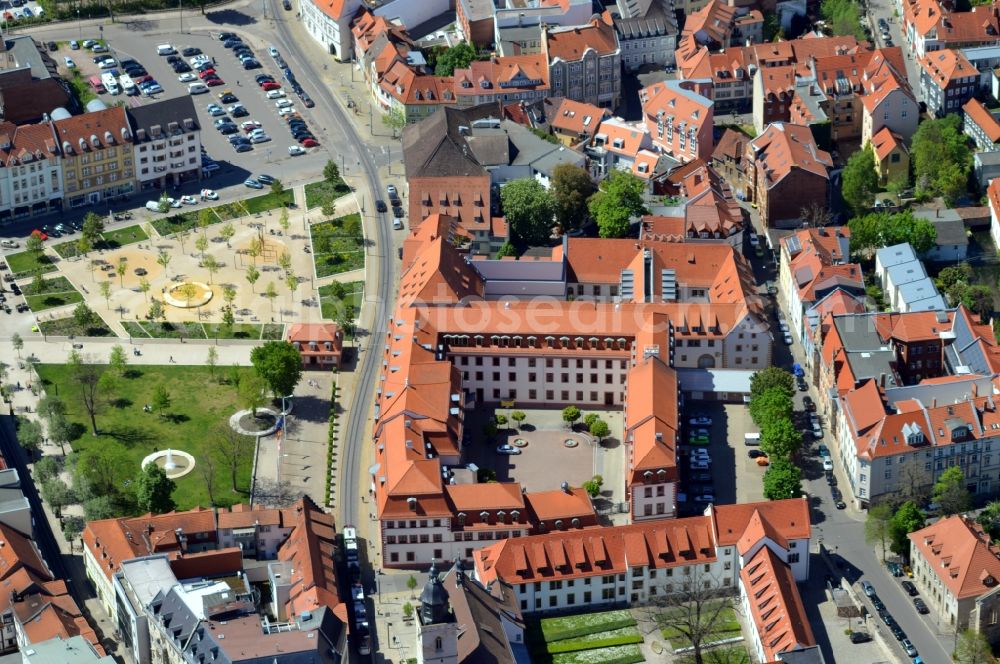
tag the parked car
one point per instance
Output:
(700, 421)
(253, 184)
(755, 454)
(263, 178)
(808, 403)
(868, 588)
(827, 463)
(910, 588)
(920, 605)
(860, 637)
(295, 150)
(895, 569)
(824, 451)
(908, 647)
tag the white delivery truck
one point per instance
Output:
(110, 83)
(128, 85)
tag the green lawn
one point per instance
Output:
(27, 264)
(165, 330)
(568, 627)
(338, 245)
(199, 405)
(55, 293)
(183, 221)
(731, 655)
(272, 331)
(64, 327)
(330, 304)
(630, 654)
(110, 240)
(615, 637)
(318, 192)
(727, 626)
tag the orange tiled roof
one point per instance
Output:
(311, 552)
(775, 605)
(575, 117)
(884, 74)
(789, 517)
(570, 44)
(406, 85)
(26, 144)
(885, 142)
(960, 554)
(496, 76)
(782, 147)
(946, 65)
(980, 115)
(85, 133)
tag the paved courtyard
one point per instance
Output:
(546, 461)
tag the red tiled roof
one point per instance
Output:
(946, 65)
(885, 142)
(775, 605)
(977, 112)
(960, 554)
(783, 147)
(569, 44)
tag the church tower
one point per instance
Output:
(437, 632)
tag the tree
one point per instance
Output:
(782, 480)
(599, 429)
(201, 244)
(271, 292)
(570, 415)
(255, 249)
(292, 282)
(696, 610)
(93, 226)
(88, 379)
(72, 528)
(989, 518)
(277, 187)
(880, 229)
(153, 490)
(121, 269)
(35, 246)
(163, 259)
(329, 209)
(46, 468)
(161, 400)
(144, 287)
(29, 435)
(593, 486)
(779, 438)
(331, 172)
(83, 316)
(907, 519)
(411, 583)
(156, 311)
(279, 364)
(212, 265)
(212, 360)
(519, 416)
(506, 249)
(771, 406)
(251, 387)
(205, 219)
(950, 492)
(528, 208)
(61, 431)
(394, 119)
(285, 261)
(84, 246)
(117, 360)
(843, 17)
(163, 205)
(941, 157)
(571, 187)
(619, 198)
(17, 342)
(206, 468)
(283, 221)
(972, 647)
(407, 611)
(253, 274)
(228, 320)
(182, 236)
(589, 419)
(456, 57)
(860, 180)
(105, 288)
(101, 470)
(232, 449)
(51, 406)
(57, 494)
(104, 507)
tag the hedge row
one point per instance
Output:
(616, 637)
(630, 654)
(558, 629)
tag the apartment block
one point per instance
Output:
(585, 63)
(98, 161)
(166, 143)
(785, 172)
(947, 81)
(30, 171)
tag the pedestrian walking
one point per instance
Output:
(171, 359)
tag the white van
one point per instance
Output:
(751, 439)
(128, 85)
(110, 83)
(165, 49)
(197, 88)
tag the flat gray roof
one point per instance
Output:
(715, 380)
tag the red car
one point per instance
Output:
(270, 85)
(142, 79)
(37, 233)
(205, 74)
(310, 143)
(212, 82)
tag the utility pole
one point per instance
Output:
(180, 15)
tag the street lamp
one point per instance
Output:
(180, 15)
(79, 25)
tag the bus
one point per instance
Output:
(96, 85)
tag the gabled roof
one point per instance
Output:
(885, 142)
(437, 146)
(976, 112)
(783, 147)
(788, 518)
(310, 551)
(775, 605)
(960, 554)
(946, 65)
(570, 44)
(575, 117)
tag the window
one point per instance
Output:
(793, 558)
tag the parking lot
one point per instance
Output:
(733, 477)
(16, 9)
(234, 167)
